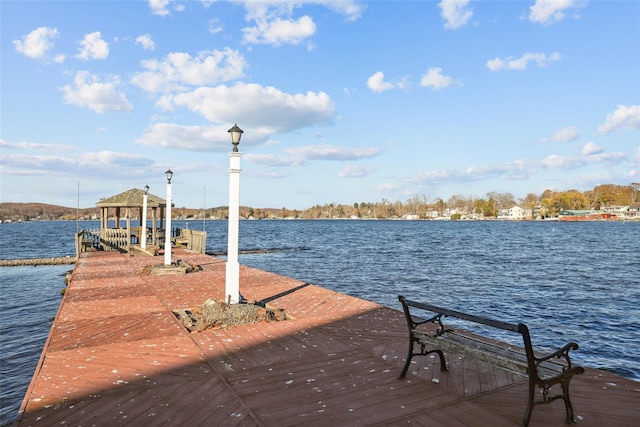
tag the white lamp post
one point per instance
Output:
(232, 279)
(167, 230)
(143, 225)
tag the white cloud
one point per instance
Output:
(264, 109)
(93, 164)
(296, 156)
(159, 7)
(377, 84)
(612, 158)
(567, 134)
(355, 171)
(591, 148)
(193, 138)
(548, 12)
(352, 10)
(146, 42)
(274, 160)
(107, 159)
(93, 47)
(37, 42)
(100, 96)
(275, 24)
(435, 79)
(330, 152)
(179, 69)
(541, 59)
(625, 117)
(574, 162)
(456, 13)
(33, 146)
(196, 138)
(522, 169)
(214, 26)
(555, 161)
(347, 91)
(515, 170)
(279, 31)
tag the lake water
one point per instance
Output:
(567, 281)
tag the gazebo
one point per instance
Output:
(125, 206)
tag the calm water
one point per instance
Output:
(567, 281)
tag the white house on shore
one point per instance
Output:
(513, 213)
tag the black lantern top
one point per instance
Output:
(169, 175)
(236, 134)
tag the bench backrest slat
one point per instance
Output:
(464, 316)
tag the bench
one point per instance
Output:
(543, 371)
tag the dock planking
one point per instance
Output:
(116, 355)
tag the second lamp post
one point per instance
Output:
(232, 278)
(167, 230)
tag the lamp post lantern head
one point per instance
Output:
(236, 134)
(146, 189)
(169, 175)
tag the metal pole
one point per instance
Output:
(167, 230)
(232, 280)
(143, 225)
(78, 211)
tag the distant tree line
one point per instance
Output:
(43, 212)
(548, 204)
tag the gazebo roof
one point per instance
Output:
(132, 199)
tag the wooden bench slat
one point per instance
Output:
(506, 358)
(464, 316)
(485, 352)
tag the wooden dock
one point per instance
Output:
(116, 355)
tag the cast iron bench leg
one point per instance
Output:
(407, 363)
(567, 401)
(443, 364)
(530, 404)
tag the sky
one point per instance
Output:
(340, 101)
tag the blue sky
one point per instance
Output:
(340, 101)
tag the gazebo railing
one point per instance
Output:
(118, 239)
(115, 239)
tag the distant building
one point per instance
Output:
(584, 215)
(513, 213)
(624, 212)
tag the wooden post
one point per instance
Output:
(154, 236)
(128, 214)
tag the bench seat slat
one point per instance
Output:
(493, 354)
(481, 351)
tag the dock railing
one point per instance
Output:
(191, 239)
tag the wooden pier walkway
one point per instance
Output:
(116, 355)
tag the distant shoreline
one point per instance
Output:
(352, 219)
